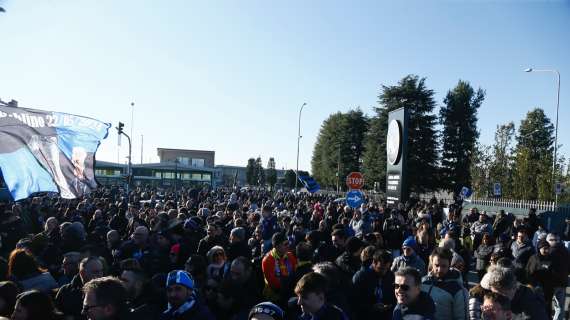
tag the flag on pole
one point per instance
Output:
(466, 192)
(310, 184)
(43, 151)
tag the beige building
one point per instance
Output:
(189, 158)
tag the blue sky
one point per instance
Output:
(230, 76)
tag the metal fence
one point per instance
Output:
(515, 204)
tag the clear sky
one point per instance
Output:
(230, 76)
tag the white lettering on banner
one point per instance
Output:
(394, 177)
(393, 188)
(52, 120)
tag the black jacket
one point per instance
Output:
(423, 307)
(528, 303)
(367, 287)
(327, 312)
(483, 255)
(69, 298)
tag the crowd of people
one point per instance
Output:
(232, 254)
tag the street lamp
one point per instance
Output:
(298, 141)
(556, 121)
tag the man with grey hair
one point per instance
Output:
(238, 244)
(560, 267)
(524, 301)
(69, 297)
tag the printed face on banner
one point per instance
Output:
(43, 151)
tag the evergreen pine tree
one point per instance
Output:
(458, 117)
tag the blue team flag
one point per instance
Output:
(310, 184)
(43, 151)
(466, 192)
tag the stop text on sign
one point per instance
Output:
(355, 180)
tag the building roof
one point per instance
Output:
(186, 150)
(172, 166)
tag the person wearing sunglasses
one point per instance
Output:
(412, 302)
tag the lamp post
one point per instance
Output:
(176, 161)
(298, 141)
(556, 121)
(132, 118)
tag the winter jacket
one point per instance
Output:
(501, 225)
(278, 272)
(327, 312)
(356, 226)
(238, 249)
(268, 227)
(43, 282)
(478, 228)
(529, 304)
(476, 295)
(348, 263)
(560, 265)
(69, 298)
(539, 271)
(421, 309)
(393, 233)
(483, 255)
(413, 261)
(538, 235)
(521, 254)
(448, 294)
(370, 289)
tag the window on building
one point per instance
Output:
(183, 160)
(158, 174)
(206, 177)
(168, 175)
(185, 176)
(107, 172)
(198, 163)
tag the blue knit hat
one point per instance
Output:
(409, 242)
(180, 277)
(191, 224)
(269, 309)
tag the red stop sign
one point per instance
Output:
(355, 180)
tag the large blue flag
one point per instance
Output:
(309, 183)
(43, 151)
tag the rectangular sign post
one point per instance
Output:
(396, 156)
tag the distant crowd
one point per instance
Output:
(233, 254)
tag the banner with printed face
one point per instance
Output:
(43, 151)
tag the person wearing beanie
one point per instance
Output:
(278, 267)
(193, 233)
(266, 311)
(409, 257)
(539, 271)
(182, 302)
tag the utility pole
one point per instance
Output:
(120, 131)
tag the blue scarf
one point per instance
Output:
(183, 308)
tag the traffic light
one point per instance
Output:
(120, 127)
